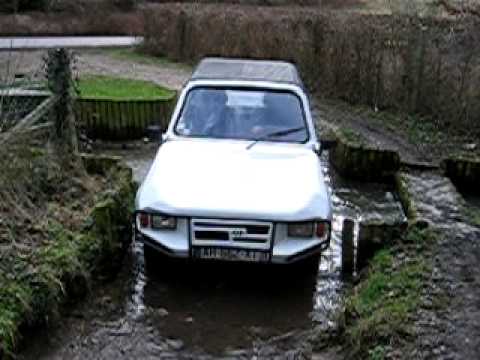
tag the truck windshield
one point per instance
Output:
(242, 114)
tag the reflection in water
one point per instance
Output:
(220, 309)
(135, 305)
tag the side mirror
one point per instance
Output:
(153, 132)
(164, 138)
(327, 144)
(317, 148)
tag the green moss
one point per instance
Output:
(472, 214)
(404, 195)
(377, 353)
(476, 218)
(378, 312)
(35, 284)
(106, 87)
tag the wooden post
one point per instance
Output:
(347, 247)
(60, 80)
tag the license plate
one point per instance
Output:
(212, 253)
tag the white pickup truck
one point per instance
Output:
(238, 175)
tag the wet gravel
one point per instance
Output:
(174, 310)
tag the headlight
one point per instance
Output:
(144, 220)
(164, 222)
(306, 229)
(301, 229)
(322, 230)
(154, 221)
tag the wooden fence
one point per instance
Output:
(111, 119)
(15, 104)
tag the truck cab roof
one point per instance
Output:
(247, 70)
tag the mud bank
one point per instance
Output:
(40, 281)
(447, 315)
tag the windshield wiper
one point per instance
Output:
(275, 134)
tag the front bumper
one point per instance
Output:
(284, 252)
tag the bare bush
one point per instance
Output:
(33, 171)
(427, 66)
(82, 18)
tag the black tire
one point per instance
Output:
(154, 259)
(157, 263)
(310, 264)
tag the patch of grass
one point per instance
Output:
(472, 213)
(354, 137)
(135, 55)
(476, 217)
(14, 301)
(33, 285)
(107, 87)
(378, 353)
(379, 310)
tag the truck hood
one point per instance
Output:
(224, 179)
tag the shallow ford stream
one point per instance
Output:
(216, 310)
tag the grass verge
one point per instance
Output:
(379, 311)
(34, 281)
(107, 87)
(472, 214)
(354, 138)
(134, 55)
(430, 140)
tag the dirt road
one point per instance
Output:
(100, 62)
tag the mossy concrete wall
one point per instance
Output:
(408, 205)
(111, 119)
(373, 236)
(362, 162)
(111, 216)
(464, 172)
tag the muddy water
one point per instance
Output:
(176, 310)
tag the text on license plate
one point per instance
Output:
(230, 254)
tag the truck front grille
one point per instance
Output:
(233, 233)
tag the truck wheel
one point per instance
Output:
(152, 257)
(311, 264)
(155, 261)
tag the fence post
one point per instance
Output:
(347, 247)
(60, 82)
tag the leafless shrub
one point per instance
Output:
(419, 65)
(95, 19)
(33, 171)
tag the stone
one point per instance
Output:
(162, 312)
(470, 147)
